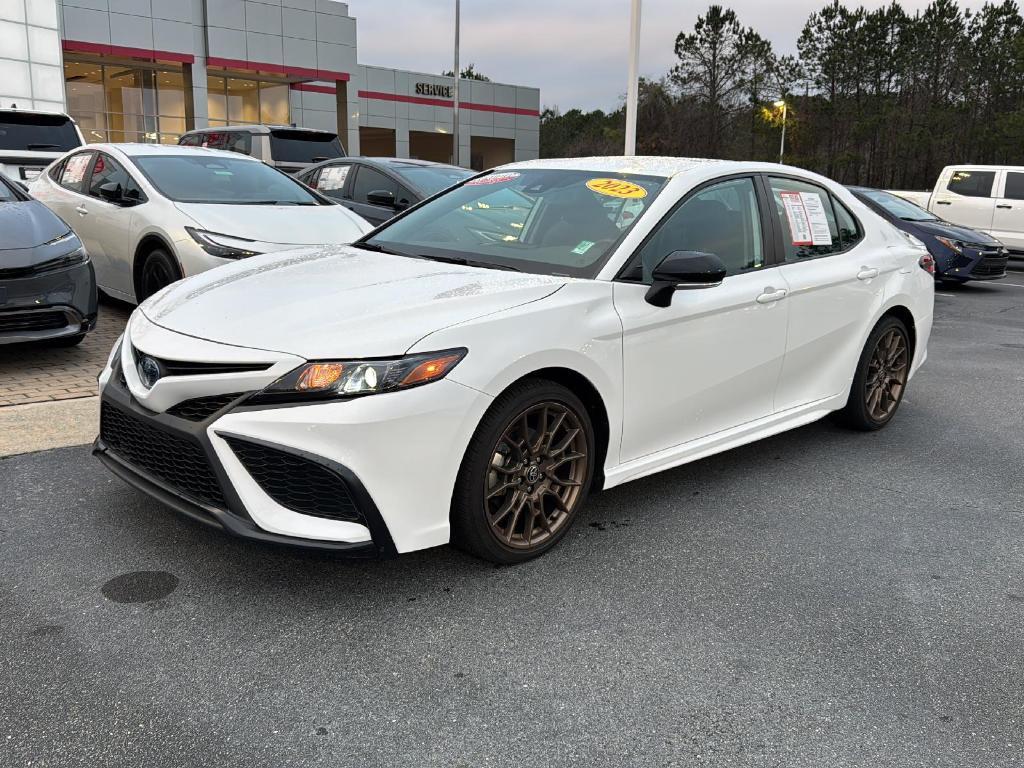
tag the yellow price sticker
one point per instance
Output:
(616, 188)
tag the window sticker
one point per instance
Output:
(583, 247)
(616, 188)
(808, 223)
(74, 171)
(494, 178)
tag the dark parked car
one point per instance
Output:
(47, 284)
(960, 253)
(379, 187)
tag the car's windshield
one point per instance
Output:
(897, 206)
(431, 179)
(298, 146)
(34, 132)
(539, 220)
(201, 178)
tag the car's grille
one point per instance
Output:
(41, 320)
(180, 463)
(990, 266)
(202, 408)
(188, 368)
(299, 484)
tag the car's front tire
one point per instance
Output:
(525, 475)
(157, 272)
(881, 378)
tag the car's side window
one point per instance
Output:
(238, 141)
(1014, 186)
(72, 175)
(106, 170)
(370, 180)
(191, 141)
(849, 232)
(722, 219)
(331, 181)
(971, 183)
(56, 170)
(214, 140)
(807, 219)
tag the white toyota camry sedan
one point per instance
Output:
(471, 370)
(150, 214)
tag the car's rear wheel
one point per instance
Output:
(525, 475)
(881, 378)
(158, 271)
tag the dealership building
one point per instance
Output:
(148, 70)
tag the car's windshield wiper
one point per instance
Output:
(464, 262)
(40, 146)
(374, 248)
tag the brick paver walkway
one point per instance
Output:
(33, 373)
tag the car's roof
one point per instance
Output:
(257, 128)
(654, 166)
(19, 111)
(384, 162)
(144, 150)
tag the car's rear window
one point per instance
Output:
(297, 146)
(33, 132)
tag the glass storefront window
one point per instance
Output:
(243, 101)
(125, 102)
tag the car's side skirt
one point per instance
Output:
(722, 441)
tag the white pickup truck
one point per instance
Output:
(989, 198)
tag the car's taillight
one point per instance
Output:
(927, 263)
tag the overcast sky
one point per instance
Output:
(573, 50)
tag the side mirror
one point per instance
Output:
(111, 192)
(381, 197)
(683, 270)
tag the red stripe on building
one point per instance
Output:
(277, 69)
(447, 103)
(102, 49)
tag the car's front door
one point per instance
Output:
(1008, 220)
(367, 182)
(965, 197)
(111, 220)
(837, 283)
(709, 361)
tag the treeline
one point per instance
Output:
(879, 97)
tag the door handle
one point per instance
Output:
(82, 210)
(943, 202)
(1004, 206)
(866, 273)
(770, 295)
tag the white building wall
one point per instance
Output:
(31, 63)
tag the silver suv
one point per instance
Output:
(286, 147)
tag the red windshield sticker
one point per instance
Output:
(494, 178)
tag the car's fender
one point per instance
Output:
(576, 329)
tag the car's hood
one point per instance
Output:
(27, 224)
(280, 225)
(954, 232)
(337, 302)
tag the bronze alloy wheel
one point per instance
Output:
(536, 477)
(886, 375)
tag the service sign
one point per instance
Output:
(433, 89)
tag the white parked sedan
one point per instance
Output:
(471, 370)
(150, 214)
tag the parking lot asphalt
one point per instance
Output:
(821, 598)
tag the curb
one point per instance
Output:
(44, 426)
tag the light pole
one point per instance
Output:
(782, 144)
(455, 93)
(633, 89)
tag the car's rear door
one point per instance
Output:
(837, 279)
(368, 180)
(709, 361)
(332, 181)
(1008, 219)
(966, 196)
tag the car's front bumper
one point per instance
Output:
(48, 305)
(379, 469)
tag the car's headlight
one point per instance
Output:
(222, 246)
(954, 245)
(331, 379)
